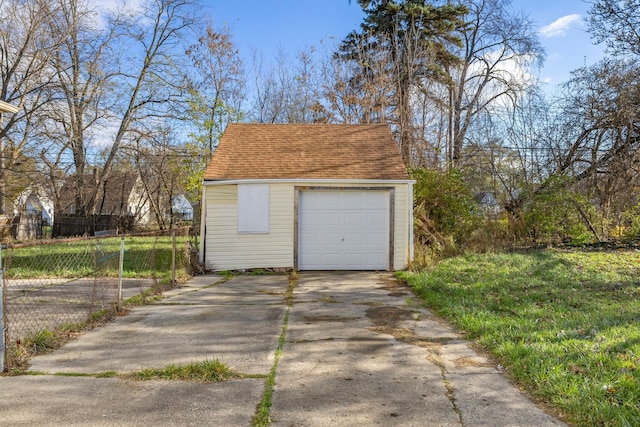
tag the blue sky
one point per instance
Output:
(292, 25)
(266, 25)
(563, 33)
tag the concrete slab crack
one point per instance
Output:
(451, 395)
(262, 416)
(432, 345)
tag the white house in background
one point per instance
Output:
(139, 203)
(182, 208)
(488, 203)
(32, 201)
(308, 197)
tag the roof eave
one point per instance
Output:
(211, 182)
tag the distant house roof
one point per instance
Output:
(306, 151)
(488, 203)
(486, 198)
(112, 198)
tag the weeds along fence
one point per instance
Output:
(61, 285)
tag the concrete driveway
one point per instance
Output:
(358, 351)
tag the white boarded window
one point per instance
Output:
(253, 208)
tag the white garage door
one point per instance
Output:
(343, 230)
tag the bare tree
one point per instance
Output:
(217, 85)
(269, 98)
(509, 149)
(588, 146)
(616, 22)
(498, 48)
(115, 81)
(305, 101)
(26, 47)
(151, 80)
(600, 105)
(608, 168)
(83, 77)
(286, 91)
(360, 88)
(158, 162)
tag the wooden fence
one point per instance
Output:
(81, 225)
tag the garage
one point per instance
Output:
(306, 197)
(343, 230)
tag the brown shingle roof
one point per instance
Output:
(316, 151)
(112, 198)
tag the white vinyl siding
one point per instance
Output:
(403, 219)
(226, 249)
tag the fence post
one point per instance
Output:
(2, 329)
(120, 270)
(173, 258)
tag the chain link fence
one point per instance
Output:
(64, 284)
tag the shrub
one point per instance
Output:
(630, 226)
(492, 234)
(555, 213)
(445, 212)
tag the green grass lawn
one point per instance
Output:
(566, 325)
(144, 257)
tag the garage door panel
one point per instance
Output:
(354, 201)
(354, 260)
(312, 240)
(329, 199)
(343, 230)
(331, 239)
(376, 259)
(353, 239)
(308, 259)
(376, 241)
(330, 219)
(331, 260)
(376, 219)
(376, 198)
(311, 200)
(311, 219)
(353, 218)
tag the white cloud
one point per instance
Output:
(560, 26)
(103, 8)
(111, 6)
